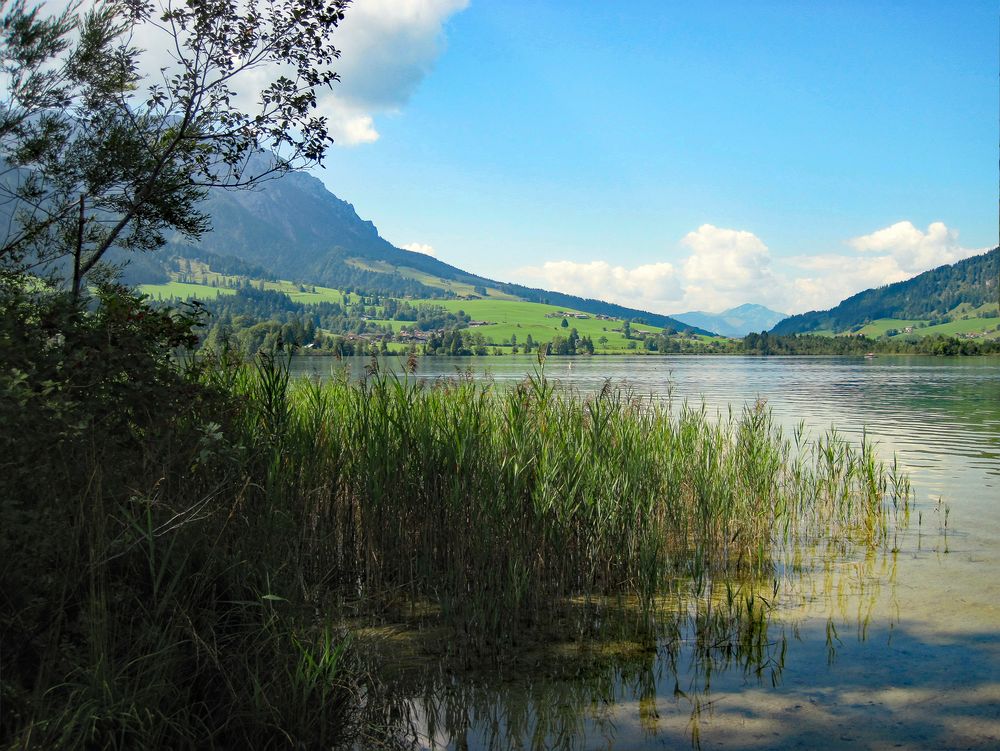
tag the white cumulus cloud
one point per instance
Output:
(427, 250)
(885, 256)
(387, 48)
(727, 267)
(914, 251)
(822, 281)
(649, 286)
(724, 267)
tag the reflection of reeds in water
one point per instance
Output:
(190, 577)
(565, 699)
(492, 507)
(521, 518)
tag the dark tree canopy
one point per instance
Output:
(99, 153)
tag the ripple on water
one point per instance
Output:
(896, 682)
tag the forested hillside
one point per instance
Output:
(928, 296)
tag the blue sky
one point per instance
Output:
(674, 155)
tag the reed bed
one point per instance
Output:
(182, 551)
(494, 508)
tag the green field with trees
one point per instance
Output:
(353, 322)
(260, 314)
(962, 321)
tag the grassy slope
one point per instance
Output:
(929, 295)
(957, 327)
(507, 316)
(523, 318)
(184, 291)
(953, 328)
(204, 278)
(449, 285)
(187, 290)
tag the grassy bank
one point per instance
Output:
(184, 548)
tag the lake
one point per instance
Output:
(878, 649)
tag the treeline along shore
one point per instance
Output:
(265, 320)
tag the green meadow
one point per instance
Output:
(965, 320)
(515, 318)
(504, 320)
(880, 326)
(205, 291)
(507, 318)
(462, 289)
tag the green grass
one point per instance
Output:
(462, 289)
(459, 288)
(523, 318)
(509, 316)
(382, 267)
(196, 291)
(956, 327)
(960, 326)
(321, 294)
(184, 291)
(878, 327)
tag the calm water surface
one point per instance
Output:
(913, 659)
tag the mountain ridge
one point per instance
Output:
(297, 229)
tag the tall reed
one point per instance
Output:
(183, 552)
(496, 507)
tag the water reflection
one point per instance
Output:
(620, 676)
(886, 646)
(634, 681)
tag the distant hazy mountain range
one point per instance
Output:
(736, 322)
(971, 283)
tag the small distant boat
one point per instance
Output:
(870, 356)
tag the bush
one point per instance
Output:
(133, 612)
